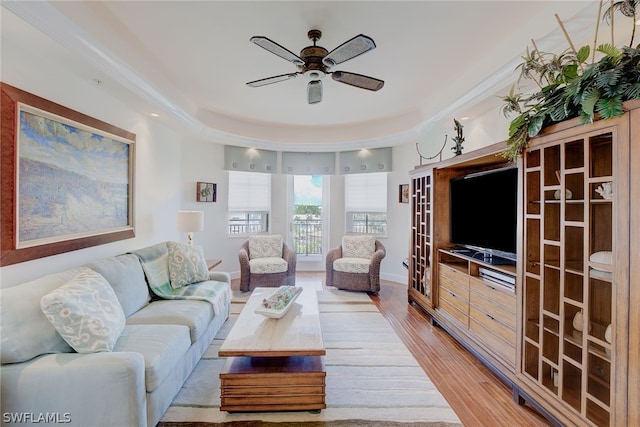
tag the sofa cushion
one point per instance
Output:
(124, 274)
(85, 312)
(352, 265)
(196, 315)
(268, 265)
(266, 246)
(161, 346)
(186, 264)
(24, 329)
(358, 246)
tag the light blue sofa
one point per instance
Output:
(44, 382)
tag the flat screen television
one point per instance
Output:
(484, 214)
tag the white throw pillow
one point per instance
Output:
(186, 264)
(85, 312)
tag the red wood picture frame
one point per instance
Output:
(10, 253)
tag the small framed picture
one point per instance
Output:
(403, 193)
(206, 192)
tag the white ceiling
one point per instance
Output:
(189, 61)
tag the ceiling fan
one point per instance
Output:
(315, 62)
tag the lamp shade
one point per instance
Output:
(190, 221)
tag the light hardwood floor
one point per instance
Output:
(477, 396)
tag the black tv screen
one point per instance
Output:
(484, 211)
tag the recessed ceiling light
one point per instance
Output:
(154, 114)
(464, 118)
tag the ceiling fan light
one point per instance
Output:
(314, 92)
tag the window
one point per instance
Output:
(249, 202)
(308, 211)
(366, 203)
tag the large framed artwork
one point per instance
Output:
(67, 179)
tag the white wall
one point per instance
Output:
(169, 163)
(203, 161)
(157, 168)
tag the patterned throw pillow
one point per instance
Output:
(85, 312)
(358, 246)
(186, 264)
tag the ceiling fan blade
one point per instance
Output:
(357, 80)
(273, 79)
(350, 49)
(314, 91)
(276, 49)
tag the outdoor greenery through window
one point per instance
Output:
(307, 214)
(249, 202)
(366, 203)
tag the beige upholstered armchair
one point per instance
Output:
(355, 265)
(265, 260)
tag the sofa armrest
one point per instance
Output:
(220, 276)
(98, 389)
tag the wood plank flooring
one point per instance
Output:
(477, 396)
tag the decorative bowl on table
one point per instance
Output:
(278, 303)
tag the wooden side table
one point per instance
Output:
(213, 263)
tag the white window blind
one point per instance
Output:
(249, 192)
(366, 192)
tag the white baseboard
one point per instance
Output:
(397, 278)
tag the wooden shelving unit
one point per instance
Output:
(420, 288)
(575, 296)
(566, 337)
(480, 313)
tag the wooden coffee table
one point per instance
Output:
(274, 364)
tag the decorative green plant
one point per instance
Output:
(569, 87)
(205, 192)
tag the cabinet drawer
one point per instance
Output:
(461, 302)
(499, 312)
(493, 292)
(493, 343)
(453, 310)
(453, 274)
(447, 285)
(488, 321)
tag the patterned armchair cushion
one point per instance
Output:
(86, 313)
(265, 246)
(268, 265)
(351, 265)
(358, 246)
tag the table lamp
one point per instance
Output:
(190, 222)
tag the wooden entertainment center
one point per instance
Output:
(559, 326)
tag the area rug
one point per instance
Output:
(372, 378)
